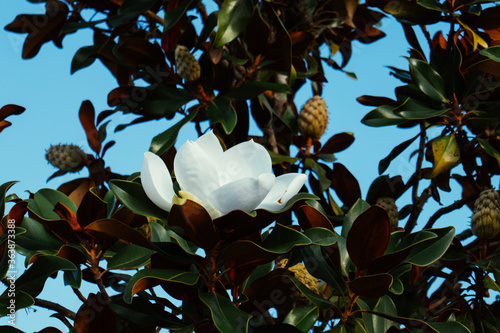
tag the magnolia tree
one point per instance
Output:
(234, 233)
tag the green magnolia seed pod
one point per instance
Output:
(389, 205)
(66, 157)
(313, 118)
(187, 66)
(485, 221)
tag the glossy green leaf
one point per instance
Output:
(449, 327)
(186, 245)
(226, 316)
(130, 257)
(33, 279)
(174, 15)
(357, 209)
(492, 52)
(23, 300)
(3, 194)
(221, 111)
(425, 253)
(302, 317)
(84, 57)
(413, 110)
(163, 141)
(234, 15)
(446, 154)
(382, 116)
(442, 327)
(489, 283)
(385, 162)
(320, 266)
(132, 195)
(281, 240)
(141, 312)
(321, 236)
(44, 201)
(309, 294)
(252, 89)
(158, 233)
(427, 80)
(431, 4)
(37, 237)
(258, 272)
(376, 324)
(489, 149)
(324, 182)
(73, 278)
(168, 275)
(278, 159)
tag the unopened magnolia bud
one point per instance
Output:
(313, 118)
(389, 205)
(302, 275)
(66, 157)
(485, 221)
(187, 66)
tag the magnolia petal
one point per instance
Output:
(194, 171)
(284, 188)
(245, 160)
(210, 144)
(243, 194)
(156, 181)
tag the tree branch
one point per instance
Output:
(55, 307)
(456, 205)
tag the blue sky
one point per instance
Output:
(52, 98)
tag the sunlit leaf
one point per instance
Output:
(446, 154)
(234, 15)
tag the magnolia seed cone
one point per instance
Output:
(313, 118)
(302, 275)
(188, 67)
(485, 221)
(389, 205)
(66, 157)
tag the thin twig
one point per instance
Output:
(154, 17)
(456, 205)
(416, 200)
(464, 235)
(79, 295)
(55, 307)
(427, 35)
(272, 139)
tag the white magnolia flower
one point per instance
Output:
(239, 178)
